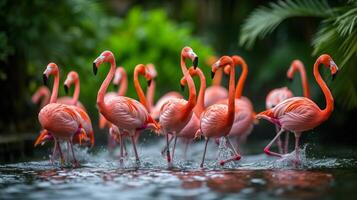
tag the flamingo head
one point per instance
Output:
(152, 70)
(144, 70)
(106, 56)
(41, 92)
(187, 52)
(119, 73)
(51, 68)
(292, 69)
(72, 77)
(222, 62)
(328, 62)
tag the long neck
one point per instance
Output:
(217, 78)
(77, 89)
(304, 81)
(150, 93)
(201, 94)
(55, 88)
(242, 78)
(328, 96)
(46, 98)
(123, 85)
(103, 88)
(139, 90)
(231, 99)
(191, 87)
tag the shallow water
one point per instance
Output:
(101, 176)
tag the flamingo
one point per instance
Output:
(216, 92)
(299, 114)
(150, 94)
(217, 119)
(188, 132)
(42, 96)
(244, 116)
(176, 113)
(126, 113)
(60, 121)
(278, 95)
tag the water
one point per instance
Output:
(101, 176)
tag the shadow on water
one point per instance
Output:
(255, 176)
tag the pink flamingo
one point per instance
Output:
(217, 119)
(188, 132)
(150, 94)
(278, 95)
(244, 116)
(73, 78)
(126, 113)
(216, 92)
(176, 113)
(60, 121)
(42, 96)
(298, 114)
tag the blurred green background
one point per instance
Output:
(268, 34)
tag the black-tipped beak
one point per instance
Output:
(149, 82)
(95, 69)
(65, 89)
(290, 79)
(195, 62)
(182, 88)
(44, 77)
(212, 74)
(334, 75)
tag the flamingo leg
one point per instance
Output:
(236, 157)
(204, 153)
(121, 147)
(279, 142)
(297, 149)
(124, 146)
(54, 153)
(134, 147)
(173, 150)
(286, 145)
(165, 148)
(60, 151)
(266, 149)
(168, 149)
(75, 162)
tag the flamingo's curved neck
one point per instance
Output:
(123, 84)
(304, 81)
(201, 94)
(150, 93)
(231, 100)
(242, 78)
(191, 87)
(103, 88)
(139, 90)
(217, 78)
(328, 96)
(77, 89)
(55, 88)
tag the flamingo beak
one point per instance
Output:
(95, 69)
(290, 79)
(65, 89)
(44, 77)
(212, 74)
(182, 87)
(334, 75)
(195, 62)
(149, 82)
(42, 138)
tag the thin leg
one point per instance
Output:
(54, 153)
(168, 149)
(279, 143)
(165, 148)
(297, 149)
(236, 157)
(204, 153)
(60, 151)
(266, 149)
(121, 147)
(286, 145)
(173, 150)
(124, 146)
(134, 147)
(75, 162)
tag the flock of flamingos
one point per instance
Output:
(213, 113)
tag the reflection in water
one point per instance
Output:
(100, 177)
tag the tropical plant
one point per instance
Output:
(336, 35)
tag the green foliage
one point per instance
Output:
(337, 35)
(150, 37)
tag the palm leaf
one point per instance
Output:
(264, 20)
